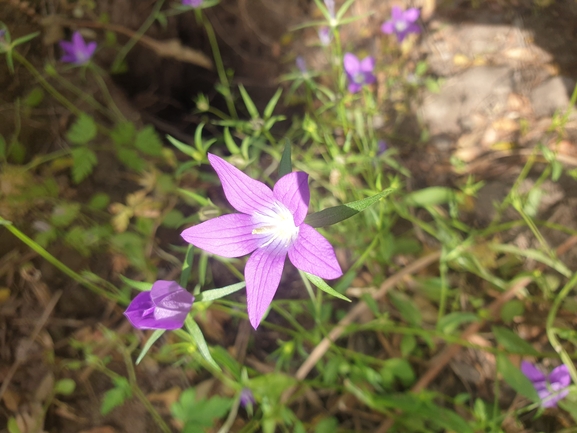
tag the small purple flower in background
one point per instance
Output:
(552, 387)
(270, 226)
(77, 51)
(246, 397)
(330, 4)
(2, 33)
(165, 306)
(192, 3)
(325, 35)
(302, 65)
(402, 23)
(381, 147)
(359, 72)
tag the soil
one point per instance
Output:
(523, 48)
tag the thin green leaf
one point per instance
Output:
(196, 334)
(272, 104)
(336, 214)
(25, 39)
(155, 336)
(512, 342)
(431, 196)
(344, 8)
(196, 197)
(515, 378)
(184, 148)
(322, 285)
(229, 142)
(142, 286)
(187, 266)
(285, 165)
(214, 294)
(535, 255)
(248, 102)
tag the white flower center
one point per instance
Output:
(359, 78)
(277, 225)
(401, 26)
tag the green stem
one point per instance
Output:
(38, 160)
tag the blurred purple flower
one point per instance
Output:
(270, 226)
(192, 3)
(330, 4)
(165, 306)
(77, 51)
(302, 65)
(552, 387)
(325, 36)
(381, 147)
(2, 33)
(246, 397)
(359, 72)
(402, 23)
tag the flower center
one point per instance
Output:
(401, 26)
(277, 225)
(359, 78)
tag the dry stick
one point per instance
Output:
(441, 360)
(39, 325)
(352, 315)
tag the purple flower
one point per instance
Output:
(330, 4)
(302, 65)
(402, 23)
(192, 3)
(165, 306)
(551, 388)
(381, 147)
(2, 33)
(77, 51)
(270, 226)
(246, 397)
(325, 35)
(359, 72)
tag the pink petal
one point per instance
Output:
(368, 64)
(354, 87)
(292, 190)
(396, 13)
(532, 372)
(262, 274)
(560, 375)
(90, 48)
(78, 42)
(244, 194)
(388, 27)
(369, 78)
(312, 253)
(227, 236)
(351, 63)
(411, 14)
(66, 46)
(169, 295)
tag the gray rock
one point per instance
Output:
(479, 89)
(552, 95)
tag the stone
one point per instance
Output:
(552, 95)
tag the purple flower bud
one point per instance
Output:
(402, 23)
(359, 72)
(325, 36)
(301, 64)
(165, 306)
(2, 33)
(550, 387)
(246, 397)
(77, 52)
(382, 147)
(192, 3)
(330, 4)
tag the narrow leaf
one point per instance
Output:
(229, 142)
(155, 336)
(333, 215)
(515, 378)
(184, 148)
(187, 266)
(431, 196)
(248, 102)
(322, 285)
(272, 104)
(142, 286)
(196, 334)
(214, 294)
(512, 342)
(285, 165)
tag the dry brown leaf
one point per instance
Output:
(11, 400)
(173, 48)
(104, 429)
(167, 398)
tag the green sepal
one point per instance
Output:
(155, 336)
(336, 214)
(196, 334)
(322, 285)
(285, 165)
(214, 294)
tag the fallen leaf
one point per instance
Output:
(11, 400)
(173, 48)
(167, 398)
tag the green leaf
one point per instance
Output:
(407, 308)
(151, 340)
(2, 147)
(431, 196)
(229, 142)
(272, 104)
(24, 39)
(64, 387)
(408, 344)
(451, 322)
(248, 102)
(82, 130)
(131, 159)
(320, 283)
(336, 214)
(199, 415)
(123, 133)
(512, 342)
(148, 141)
(184, 148)
(285, 165)
(64, 214)
(173, 219)
(116, 396)
(187, 266)
(142, 286)
(13, 426)
(327, 425)
(512, 309)
(214, 294)
(198, 338)
(99, 201)
(34, 97)
(400, 369)
(515, 378)
(83, 162)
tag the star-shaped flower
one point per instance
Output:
(77, 51)
(270, 226)
(165, 306)
(359, 72)
(550, 387)
(402, 23)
